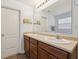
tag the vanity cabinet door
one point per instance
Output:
(53, 57)
(42, 54)
(26, 46)
(33, 49)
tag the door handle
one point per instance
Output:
(2, 35)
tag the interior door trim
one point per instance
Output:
(10, 8)
(19, 17)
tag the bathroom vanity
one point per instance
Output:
(38, 46)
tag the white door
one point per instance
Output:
(9, 32)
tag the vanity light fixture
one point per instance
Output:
(42, 3)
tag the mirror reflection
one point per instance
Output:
(53, 18)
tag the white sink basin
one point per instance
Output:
(61, 41)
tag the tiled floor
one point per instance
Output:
(19, 56)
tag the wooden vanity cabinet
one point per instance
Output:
(27, 45)
(39, 50)
(33, 48)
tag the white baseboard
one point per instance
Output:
(21, 52)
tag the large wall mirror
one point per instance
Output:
(56, 17)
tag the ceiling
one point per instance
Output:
(28, 2)
(31, 2)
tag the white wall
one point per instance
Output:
(25, 11)
(74, 19)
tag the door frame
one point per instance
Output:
(19, 19)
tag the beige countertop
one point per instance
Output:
(48, 40)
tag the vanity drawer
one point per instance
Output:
(26, 37)
(33, 41)
(54, 51)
